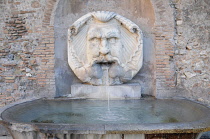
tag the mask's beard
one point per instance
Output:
(105, 69)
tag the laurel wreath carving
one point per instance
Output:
(134, 59)
(75, 59)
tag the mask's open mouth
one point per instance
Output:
(105, 63)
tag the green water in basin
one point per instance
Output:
(99, 112)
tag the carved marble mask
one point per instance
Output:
(104, 48)
(103, 44)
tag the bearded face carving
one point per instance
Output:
(104, 48)
(103, 44)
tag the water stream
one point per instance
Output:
(106, 72)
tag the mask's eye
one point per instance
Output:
(95, 40)
(112, 40)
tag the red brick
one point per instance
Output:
(32, 78)
(9, 81)
(24, 12)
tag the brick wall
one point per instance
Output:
(27, 49)
(182, 49)
(192, 54)
(164, 42)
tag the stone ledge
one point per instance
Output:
(124, 91)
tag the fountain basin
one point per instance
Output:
(61, 116)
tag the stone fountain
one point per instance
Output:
(105, 51)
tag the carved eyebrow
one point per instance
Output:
(113, 34)
(93, 34)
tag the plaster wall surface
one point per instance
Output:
(140, 12)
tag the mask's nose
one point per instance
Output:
(104, 49)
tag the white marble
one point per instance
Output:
(105, 48)
(124, 91)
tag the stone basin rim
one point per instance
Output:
(106, 129)
(198, 126)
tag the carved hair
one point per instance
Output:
(104, 16)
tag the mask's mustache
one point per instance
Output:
(106, 60)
